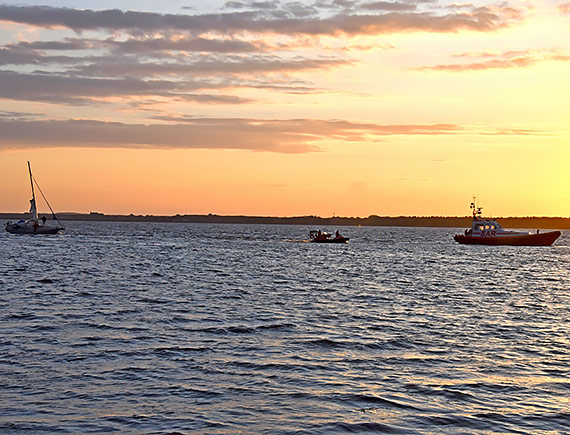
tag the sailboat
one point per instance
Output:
(35, 225)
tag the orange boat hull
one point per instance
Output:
(539, 239)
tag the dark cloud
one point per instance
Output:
(205, 67)
(335, 4)
(81, 90)
(115, 19)
(203, 133)
(178, 68)
(65, 44)
(144, 69)
(20, 54)
(389, 6)
(235, 5)
(283, 136)
(169, 56)
(292, 18)
(296, 10)
(19, 115)
(252, 5)
(188, 44)
(146, 45)
(186, 132)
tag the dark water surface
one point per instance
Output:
(156, 328)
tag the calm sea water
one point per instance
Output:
(223, 329)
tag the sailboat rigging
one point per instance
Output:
(35, 225)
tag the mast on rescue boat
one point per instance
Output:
(477, 211)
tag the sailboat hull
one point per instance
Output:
(29, 228)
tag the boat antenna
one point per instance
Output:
(477, 211)
(44, 197)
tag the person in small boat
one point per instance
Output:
(337, 235)
(322, 236)
(44, 220)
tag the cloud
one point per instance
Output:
(209, 66)
(82, 91)
(564, 8)
(65, 44)
(18, 115)
(282, 136)
(186, 132)
(94, 77)
(291, 18)
(193, 57)
(184, 43)
(91, 69)
(506, 60)
(515, 132)
(389, 6)
(252, 4)
(198, 133)
(21, 54)
(145, 45)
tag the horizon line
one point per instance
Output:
(126, 215)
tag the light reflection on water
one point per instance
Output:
(237, 328)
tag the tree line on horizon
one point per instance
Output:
(372, 220)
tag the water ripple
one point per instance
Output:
(189, 328)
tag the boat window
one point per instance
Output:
(486, 227)
(492, 227)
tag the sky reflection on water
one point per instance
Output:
(205, 328)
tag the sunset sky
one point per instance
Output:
(320, 107)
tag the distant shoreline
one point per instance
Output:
(314, 221)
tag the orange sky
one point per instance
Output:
(287, 108)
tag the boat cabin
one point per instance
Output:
(484, 227)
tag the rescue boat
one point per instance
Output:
(318, 236)
(489, 232)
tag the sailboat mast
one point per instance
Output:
(33, 208)
(31, 181)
